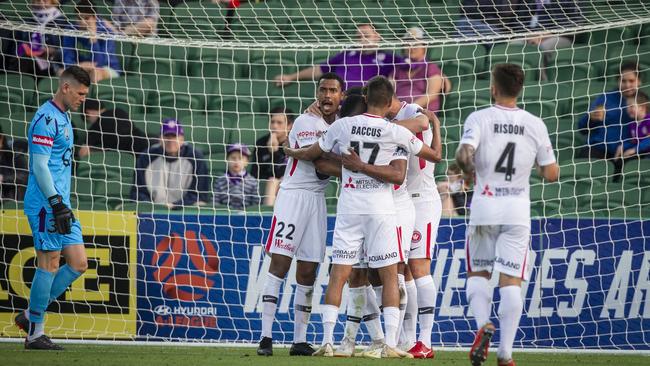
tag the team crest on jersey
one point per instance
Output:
(417, 236)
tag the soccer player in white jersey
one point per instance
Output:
(365, 221)
(411, 117)
(299, 224)
(500, 145)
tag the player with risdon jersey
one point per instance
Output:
(500, 145)
(366, 213)
(47, 205)
(299, 224)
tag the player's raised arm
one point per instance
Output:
(393, 173)
(436, 141)
(416, 124)
(468, 145)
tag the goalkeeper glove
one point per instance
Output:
(63, 217)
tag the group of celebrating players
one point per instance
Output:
(388, 214)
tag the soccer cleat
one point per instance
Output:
(22, 322)
(266, 347)
(479, 351)
(420, 350)
(373, 350)
(346, 349)
(509, 362)
(390, 352)
(325, 350)
(44, 343)
(404, 346)
(301, 349)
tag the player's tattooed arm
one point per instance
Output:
(309, 153)
(393, 173)
(416, 124)
(465, 158)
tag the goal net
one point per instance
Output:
(186, 263)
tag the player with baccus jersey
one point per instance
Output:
(366, 223)
(299, 224)
(47, 205)
(361, 301)
(500, 145)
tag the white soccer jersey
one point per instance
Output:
(306, 130)
(508, 142)
(377, 142)
(407, 111)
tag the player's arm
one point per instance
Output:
(549, 172)
(393, 173)
(416, 124)
(465, 158)
(309, 153)
(328, 167)
(436, 142)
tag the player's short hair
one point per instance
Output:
(286, 111)
(379, 91)
(332, 76)
(77, 74)
(630, 66)
(508, 79)
(85, 9)
(353, 105)
(355, 90)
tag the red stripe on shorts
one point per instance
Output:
(270, 239)
(469, 266)
(399, 243)
(428, 254)
(523, 269)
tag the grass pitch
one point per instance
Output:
(161, 355)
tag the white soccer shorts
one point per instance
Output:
(425, 231)
(503, 248)
(374, 235)
(405, 224)
(299, 226)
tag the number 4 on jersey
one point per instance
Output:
(509, 154)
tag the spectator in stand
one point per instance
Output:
(237, 189)
(97, 56)
(456, 193)
(269, 160)
(13, 171)
(419, 80)
(608, 115)
(136, 17)
(36, 53)
(551, 14)
(485, 18)
(637, 142)
(354, 66)
(172, 173)
(111, 130)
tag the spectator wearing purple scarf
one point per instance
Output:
(419, 81)
(637, 139)
(356, 67)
